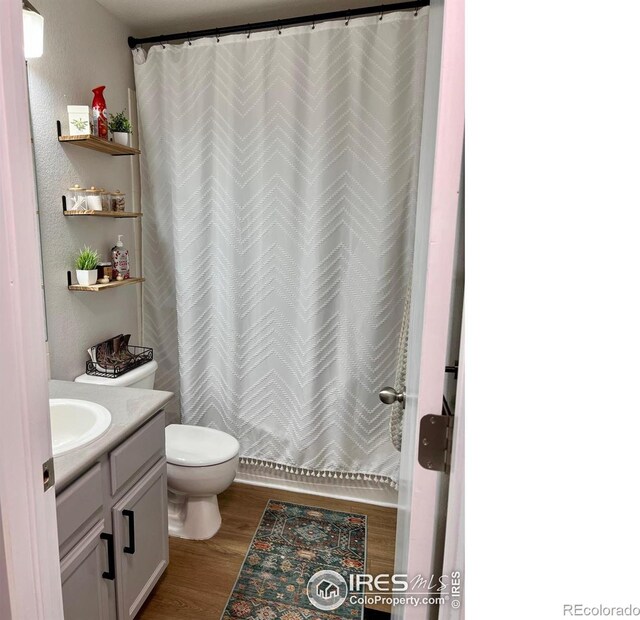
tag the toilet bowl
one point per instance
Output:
(201, 463)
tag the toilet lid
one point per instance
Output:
(198, 446)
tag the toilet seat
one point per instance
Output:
(198, 446)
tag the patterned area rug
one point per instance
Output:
(292, 543)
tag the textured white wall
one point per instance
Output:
(85, 46)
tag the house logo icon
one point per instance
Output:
(327, 590)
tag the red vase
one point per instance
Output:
(99, 114)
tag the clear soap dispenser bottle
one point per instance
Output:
(120, 259)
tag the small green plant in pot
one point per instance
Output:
(86, 262)
(120, 128)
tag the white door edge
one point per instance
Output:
(422, 493)
(29, 563)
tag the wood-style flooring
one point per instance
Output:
(201, 574)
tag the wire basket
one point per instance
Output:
(132, 357)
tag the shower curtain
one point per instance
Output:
(279, 190)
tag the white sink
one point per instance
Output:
(75, 423)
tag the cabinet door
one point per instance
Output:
(141, 539)
(85, 592)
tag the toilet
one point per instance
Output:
(201, 463)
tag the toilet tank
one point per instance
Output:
(140, 377)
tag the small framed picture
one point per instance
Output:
(78, 120)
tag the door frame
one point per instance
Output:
(454, 544)
(29, 564)
(422, 493)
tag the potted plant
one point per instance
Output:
(120, 128)
(86, 263)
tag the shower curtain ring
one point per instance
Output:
(313, 25)
(189, 39)
(217, 37)
(346, 23)
(279, 29)
(417, 9)
(248, 33)
(381, 15)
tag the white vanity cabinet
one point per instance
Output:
(112, 529)
(86, 593)
(140, 530)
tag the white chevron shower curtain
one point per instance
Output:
(279, 190)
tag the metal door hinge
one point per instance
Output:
(48, 474)
(434, 447)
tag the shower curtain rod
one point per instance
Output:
(281, 23)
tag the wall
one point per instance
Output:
(85, 46)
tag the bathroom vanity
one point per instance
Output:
(111, 498)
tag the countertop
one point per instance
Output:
(130, 408)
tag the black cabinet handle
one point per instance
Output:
(131, 547)
(111, 573)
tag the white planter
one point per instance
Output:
(86, 278)
(121, 137)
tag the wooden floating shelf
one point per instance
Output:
(98, 144)
(89, 141)
(102, 214)
(96, 288)
(89, 212)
